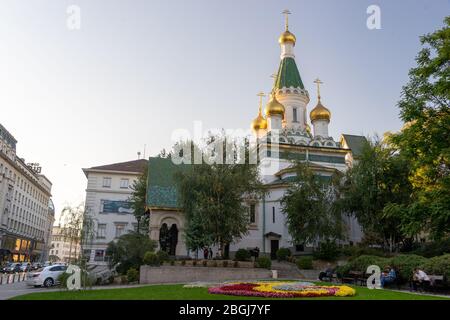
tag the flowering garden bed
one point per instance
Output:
(272, 289)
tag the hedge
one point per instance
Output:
(438, 265)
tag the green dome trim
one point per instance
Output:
(288, 75)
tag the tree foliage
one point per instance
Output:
(138, 202)
(425, 138)
(128, 251)
(375, 185)
(309, 206)
(213, 195)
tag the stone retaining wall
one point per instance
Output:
(175, 274)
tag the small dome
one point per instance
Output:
(287, 36)
(274, 107)
(259, 123)
(320, 113)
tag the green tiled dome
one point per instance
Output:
(288, 75)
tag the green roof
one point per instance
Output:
(288, 75)
(162, 190)
(355, 143)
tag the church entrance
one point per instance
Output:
(274, 245)
(168, 238)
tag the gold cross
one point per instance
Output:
(318, 82)
(286, 19)
(260, 95)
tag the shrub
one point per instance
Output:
(132, 275)
(225, 263)
(327, 251)
(214, 264)
(305, 263)
(283, 254)
(433, 249)
(163, 256)
(438, 265)
(236, 264)
(172, 262)
(404, 264)
(152, 259)
(356, 251)
(194, 263)
(242, 255)
(361, 263)
(205, 263)
(183, 262)
(263, 262)
(86, 280)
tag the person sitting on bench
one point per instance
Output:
(419, 278)
(328, 273)
(389, 276)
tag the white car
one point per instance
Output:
(46, 277)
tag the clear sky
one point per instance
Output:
(137, 70)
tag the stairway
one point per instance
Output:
(287, 270)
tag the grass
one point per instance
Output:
(177, 292)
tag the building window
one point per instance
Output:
(106, 182)
(120, 228)
(294, 110)
(299, 247)
(124, 183)
(252, 213)
(273, 214)
(99, 255)
(101, 231)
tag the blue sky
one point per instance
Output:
(137, 70)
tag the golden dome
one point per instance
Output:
(287, 36)
(274, 107)
(259, 123)
(320, 113)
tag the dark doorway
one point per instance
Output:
(168, 239)
(274, 245)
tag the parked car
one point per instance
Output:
(25, 267)
(4, 268)
(36, 265)
(13, 267)
(47, 277)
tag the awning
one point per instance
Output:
(272, 235)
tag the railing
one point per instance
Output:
(8, 278)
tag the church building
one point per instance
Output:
(285, 117)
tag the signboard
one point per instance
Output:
(111, 206)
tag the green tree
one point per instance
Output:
(425, 138)
(128, 251)
(309, 207)
(376, 184)
(138, 202)
(213, 194)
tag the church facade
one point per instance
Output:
(283, 134)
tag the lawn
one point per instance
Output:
(177, 292)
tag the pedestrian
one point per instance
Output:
(205, 253)
(210, 253)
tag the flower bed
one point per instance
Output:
(271, 289)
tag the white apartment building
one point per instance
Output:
(26, 210)
(107, 206)
(63, 248)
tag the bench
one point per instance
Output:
(436, 283)
(353, 277)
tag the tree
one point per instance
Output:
(138, 202)
(213, 194)
(128, 251)
(71, 223)
(425, 138)
(309, 207)
(373, 186)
